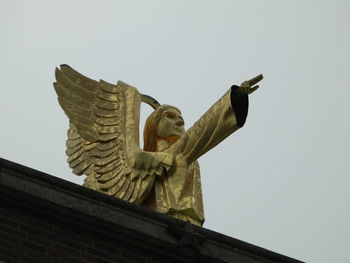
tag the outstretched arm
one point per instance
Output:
(226, 116)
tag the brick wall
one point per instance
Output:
(33, 236)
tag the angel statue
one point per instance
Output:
(103, 142)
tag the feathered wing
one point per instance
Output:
(103, 138)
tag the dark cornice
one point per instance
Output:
(107, 215)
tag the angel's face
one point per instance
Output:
(170, 124)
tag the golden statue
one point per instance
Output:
(103, 142)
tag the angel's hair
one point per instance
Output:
(151, 125)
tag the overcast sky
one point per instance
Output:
(282, 181)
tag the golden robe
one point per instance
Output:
(179, 194)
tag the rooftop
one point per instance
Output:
(77, 205)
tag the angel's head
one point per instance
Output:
(164, 123)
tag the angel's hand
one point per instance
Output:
(247, 87)
(160, 161)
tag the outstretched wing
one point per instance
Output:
(103, 138)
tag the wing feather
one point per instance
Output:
(73, 95)
(110, 97)
(109, 129)
(73, 146)
(113, 174)
(107, 105)
(99, 112)
(70, 106)
(76, 162)
(108, 167)
(106, 146)
(80, 79)
(129, 191)
(72, 157)
(115, 188)
(108, 121)
(103, 136)
(81, 168)
(124, 188)
(136, 190)
(110, 88)
(104, 153)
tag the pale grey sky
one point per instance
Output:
(281, 182)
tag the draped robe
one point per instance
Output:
(179, 193)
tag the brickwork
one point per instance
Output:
(30, 236)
